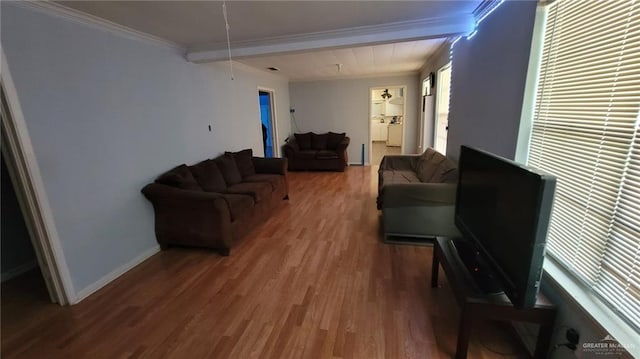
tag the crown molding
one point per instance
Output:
(444, 47)
(249, 69)
(357, 36)
(356, 77)
(55, 9)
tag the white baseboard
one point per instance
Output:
(92, 288)
(358, 163)
(14, 272)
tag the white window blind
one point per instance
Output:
(586, 131)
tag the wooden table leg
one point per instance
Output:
(435, 265)
(464, 331)
(544, 339)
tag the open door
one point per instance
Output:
(267, 122)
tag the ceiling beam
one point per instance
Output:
(357, 36)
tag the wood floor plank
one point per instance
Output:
(314, 281)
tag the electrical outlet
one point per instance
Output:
(573, 338)
(292, 110)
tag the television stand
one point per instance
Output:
(477, 304)
(479, 273)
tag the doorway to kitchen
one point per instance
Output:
(441, 125)
(267, 122)
(386, 122)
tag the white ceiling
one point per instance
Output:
(304, 38)
(356, 62)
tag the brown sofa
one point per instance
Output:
(216, 202)
(417, 195)
(310, 151)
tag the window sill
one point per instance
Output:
(591, 305)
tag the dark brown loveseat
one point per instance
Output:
(217, 201)
(310, 151)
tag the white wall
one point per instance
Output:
(488, 81)
(343, 106)
(107, 114)
(236, 114)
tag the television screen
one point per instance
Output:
(504, 209)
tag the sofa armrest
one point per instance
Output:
(291, 148)
(418, 195)
(270, 165)
(398, 162)
(342, 146)
(190, 217)
(341, 149)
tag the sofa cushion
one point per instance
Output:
(428, 164)
(227, 166)
(258, 190)
(307, 155)
(274, 180)
(303, 140)
(445, 169)
(208, 176)
(326, 155)
(238, 204)
(425, 170)
(334, 139)
(395, 177)
(319, 142)
(432, 166)
(244, 161)
(180, 177)
(448, 173)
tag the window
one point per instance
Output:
(586, 131)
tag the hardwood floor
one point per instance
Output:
(315, 281)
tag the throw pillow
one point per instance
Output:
(179, 177)
(334, 139)
(303, 140)
(428, 164)
(449, 176)
(319, 142)
(209, 176)
(227, 166)
(244, 161)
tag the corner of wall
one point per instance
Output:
(113, 275)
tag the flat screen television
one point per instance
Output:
(503, 209)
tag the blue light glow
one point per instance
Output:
(488, 13)
(475, 31)
(453, 43)
(484, 16)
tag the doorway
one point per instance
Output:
(441, 125)
(22, 280)
(267, 122)
(25, 178)
(386, 122)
